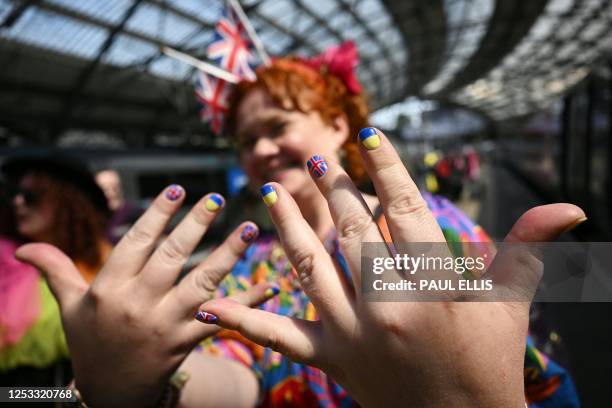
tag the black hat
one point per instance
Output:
(65, 168)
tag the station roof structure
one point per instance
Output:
(92, 70)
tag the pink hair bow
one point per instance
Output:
(340, 61)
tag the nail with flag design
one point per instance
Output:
(369, 138)
(268, 193)
(317, 166)
(206, 317)
(214, 202)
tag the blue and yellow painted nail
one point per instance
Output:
(369, 138)
(268, 193)
(272, 291)
(206, 317)
(214, 202)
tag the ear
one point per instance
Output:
(341, 130)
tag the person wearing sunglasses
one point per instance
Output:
(53, 200)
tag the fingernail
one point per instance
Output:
(317, 166)
(206, 317)
(268, 193)
(369, 138)
(575, 224)
(174, 192)
(214, 202)
(272, 291)
(249, 233)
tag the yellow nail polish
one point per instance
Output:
(214, 202)
(369, 138)
(273, 291)
(269, 195)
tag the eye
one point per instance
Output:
(278, 128)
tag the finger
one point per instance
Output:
(352, 217)
(131, 253)
(201, 282)
(518, 268)
(63, 278)
(299, 340)
(406, 212)
(252, 297)
(316, 271)
(164, 266)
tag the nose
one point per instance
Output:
(265, 147)
(18, 200)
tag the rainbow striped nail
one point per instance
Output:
(174, 192)
(249, 233)
(214, 202)
(206, 317)
(317, 166)
(369, 138)
(268, 193)
(272, 291)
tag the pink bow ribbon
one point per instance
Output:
(340, 61)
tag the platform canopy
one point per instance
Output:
(91, 71)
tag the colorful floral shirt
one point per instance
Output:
(285, 383)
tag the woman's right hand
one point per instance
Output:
(131, 329)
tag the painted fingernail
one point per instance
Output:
(214, 202)
(206, 317)
(369, 138)
(268, 193)
(317, 166)
(272, 291)
(174, 192)
(575, 224)
(249, 233)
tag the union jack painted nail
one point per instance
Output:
(206, 317)
(249, 233)
(317, 166)
(174, 192)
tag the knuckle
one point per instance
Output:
(204, 282)
(275, 340)
(172, 251)
(353, 225)
(304, 264)
(408, 204)
(139, 235)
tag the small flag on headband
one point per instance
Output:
(231, 50)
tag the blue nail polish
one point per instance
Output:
(206, 317)
(174, 192)
(249, 233)
(317, 166)
(268, 193)
(214, 202)
(369, 138)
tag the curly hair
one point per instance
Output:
(294, 85)
(78, 226)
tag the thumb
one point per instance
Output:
(518, 265)
(63, 278)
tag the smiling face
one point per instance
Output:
(275, 143)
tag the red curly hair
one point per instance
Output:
(294, 85)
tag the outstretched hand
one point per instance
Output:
(403, 353)
(131, 329)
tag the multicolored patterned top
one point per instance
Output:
(285, 383)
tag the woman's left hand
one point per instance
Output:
(425, 354)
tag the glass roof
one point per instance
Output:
(88, 63)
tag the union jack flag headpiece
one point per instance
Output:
(232, 50)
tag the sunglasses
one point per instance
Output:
(30, 198)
